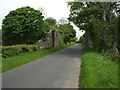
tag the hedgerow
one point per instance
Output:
(8, 51)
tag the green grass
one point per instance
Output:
(98, 71)
(12, 62)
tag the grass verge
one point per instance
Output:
(12, 62)
(98, 71)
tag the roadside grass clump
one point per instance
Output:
(98, 71)
(15, 61)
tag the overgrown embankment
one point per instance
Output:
(98, 71)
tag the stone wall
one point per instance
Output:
(52, 39)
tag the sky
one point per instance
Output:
(52, 8)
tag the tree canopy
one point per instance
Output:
(22, 26)
(68, 32)
(51, 21)
(98, 19)
(26, 25)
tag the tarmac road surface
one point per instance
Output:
(58, 70)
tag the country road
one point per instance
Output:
(58, 70)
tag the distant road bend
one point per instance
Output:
(58, 70)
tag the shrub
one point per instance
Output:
(34, 48)
(8, 51)
(26, 49)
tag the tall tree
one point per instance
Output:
(96, 18)
(81, 15)
(22, 26)
(51, 21)
(68, 32)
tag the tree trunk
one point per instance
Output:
(88, 39)
(104, 10)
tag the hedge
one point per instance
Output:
(8, 51)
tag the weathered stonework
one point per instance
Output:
(52, 40)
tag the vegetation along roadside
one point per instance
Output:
(15, 61)
(98, 71)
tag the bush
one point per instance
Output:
(34, 48)
(8, 51)
(26, 49)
